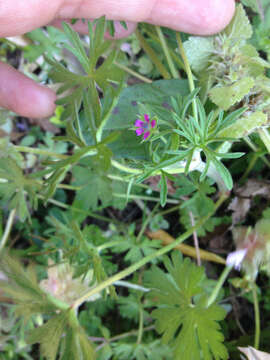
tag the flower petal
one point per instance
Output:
(146, 118)
(235, 258)
(146, 135)
(138, 123)
(153, 123)
(139, 131)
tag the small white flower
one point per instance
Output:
(235, 258)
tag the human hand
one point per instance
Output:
(23, 96)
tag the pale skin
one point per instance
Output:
(23, 96)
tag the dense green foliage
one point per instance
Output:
(85, 202)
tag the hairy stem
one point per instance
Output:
(133, 73)
(219, 285)
(7, 228)
(257, 317)
(167, 53)
(153, 56)
(140, 330)
(188, 72)
(36, 151)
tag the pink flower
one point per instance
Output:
(144, 127)
(235, 258)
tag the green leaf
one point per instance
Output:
(239, 28)
(198, 51)
(95, 186)
(163, 189)
(227, 95)
(49, 335)
(15, 188)
(23, 288)
(159, 92)
(77, 346)
(245, 125)
(182, 315)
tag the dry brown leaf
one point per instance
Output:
(253, 354)
(240, 207)
(254, 187)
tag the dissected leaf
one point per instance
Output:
(22, 286)
(182, 314)
(49, 335)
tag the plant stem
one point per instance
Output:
(133, 73)
(86, 213)
(129, 170)
(188, 72)
(257, 317)
(167, 53)
(8, 227)
(265, 137)
(125, 168)
(131, 269)
(30, 150)
(140, 330)
(131, 286)
(254, 148)
(153, 56)
(146, 198)
(146, 222)
(219, 285)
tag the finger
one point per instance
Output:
(23, 96)
(193, 16)
(82, 28)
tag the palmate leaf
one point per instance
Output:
(15, 188)
(49, 335)
(182, 314)
(23, 288)
(92, 74)
(77, 346)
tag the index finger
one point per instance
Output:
(194, 16)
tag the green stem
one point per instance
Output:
(131, 269)
(109, 245)
(146, 198)
(188, 72)
(219, 285)
(168, 211)
(57, 303)
(86, 213)
(140, 330)
(36, 151)
(8, 227)
(133, 73)
(153, 56)
(254, 148)
(125, 168)
(257, 317)
(146, 222)
(167, 53)
(129, 170)
(265, 137)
